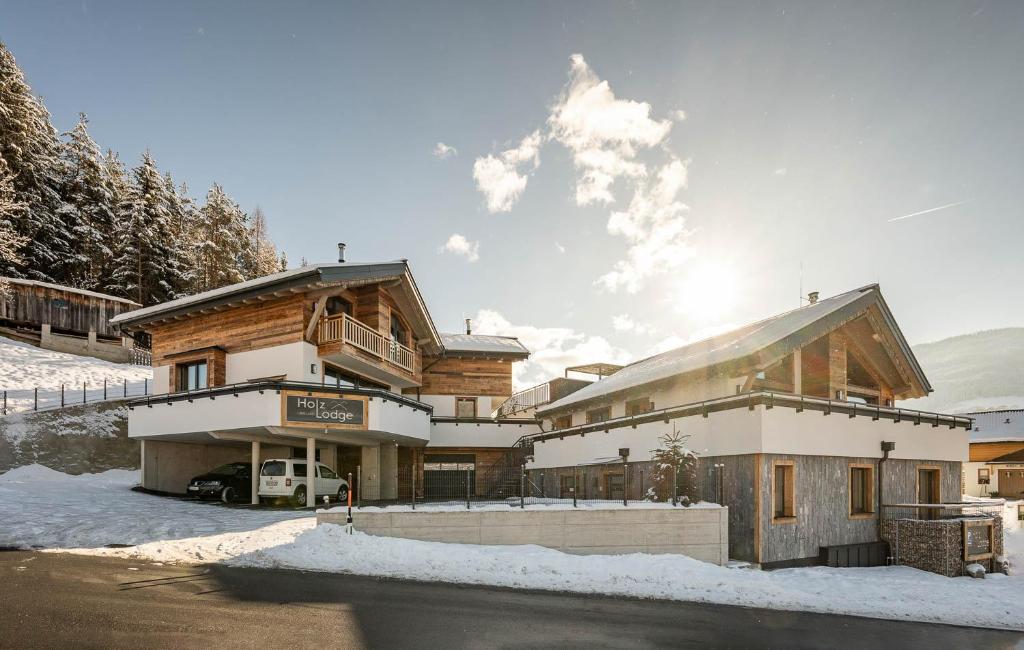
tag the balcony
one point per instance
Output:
(349, 343)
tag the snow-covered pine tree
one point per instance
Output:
(673, 462)
(146, 267)
(222, 241)
(284, 261)
(11, 242)
(183, 223)
(31, 147)
(90, 211)
(261, 254)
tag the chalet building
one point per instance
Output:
(794, 419)
(996, 461)
(65, 319)
(338, 361)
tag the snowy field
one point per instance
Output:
(24, 367)
(84, 514)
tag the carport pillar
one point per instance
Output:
(255, 485)
(310, 472)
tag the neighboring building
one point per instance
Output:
(338, 360)
(65, 319)
(789, 416)
(996, 464)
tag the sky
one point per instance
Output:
(604, 180)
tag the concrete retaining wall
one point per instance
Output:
(701, 533)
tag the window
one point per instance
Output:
(299, 470)
(983, 475)
(567, 484)
(783, 491)
(639, 406)
(327, 472)
(562, 422)
(599, 415)
(339, 378)
(397, 331)
(465, 407)
(336, 306)
(273, 468)
(862, 492)
(192, 376)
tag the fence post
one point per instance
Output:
(35, 399)
(413, 469)
(104, 390)
(348, 518)
(62, 395)
(145, 385)
(574, 486)
(543, 494)
(359, 482)
(83, 392)
(642, 494)
(126, 387)
(675, 485)
(5, 402)
(467, 488)
(522, 487)
(625, 484)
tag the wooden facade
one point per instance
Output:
(982, 452)
(467, 376)
(65, 309)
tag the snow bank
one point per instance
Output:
(532, 504)
(83, 514)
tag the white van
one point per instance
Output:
(286, 477)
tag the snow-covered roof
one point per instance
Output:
(998, 426)
(484, 344)
(737, 344)
(297, 279)
(61, 287)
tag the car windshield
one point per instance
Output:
(228, 470)
(273, 468)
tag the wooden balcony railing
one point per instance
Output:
(346, 329)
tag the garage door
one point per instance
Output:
(1011, 483)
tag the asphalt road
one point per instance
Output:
(58, 600)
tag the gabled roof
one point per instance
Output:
(998, 426)
(483, 345)
(290, 281)
(75, 290)
(763, 341)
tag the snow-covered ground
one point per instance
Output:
(83, 514)
(24, 367)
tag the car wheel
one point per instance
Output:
(343, 494)
(299, 498)
(227, 495)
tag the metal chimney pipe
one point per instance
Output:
(812, 297)
(341, 252)
(469, 326)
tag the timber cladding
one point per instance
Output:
(467, 376)
(239, 329)
(65, 311)
(985, 451)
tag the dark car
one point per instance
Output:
(230, 482)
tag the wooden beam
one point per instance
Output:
(318, 311)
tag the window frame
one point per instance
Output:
(789, 500)
(869, 489)
(567, 418)
(183, 370)
(462, 399)
(987, 477)
(605, 409)
(646, 406)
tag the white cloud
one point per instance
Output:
(679, 115)
(625, 323)
(459, 245)
(443, 151)
(654, 225)
(552, 349)
(559, 247)
(498, 176)
(602, 131)
(781, 171)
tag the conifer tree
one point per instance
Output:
(223, 235)
(261, 254)
(90, 210)
(29, 144)
(284, 261)
(146, 266)
(11, 242)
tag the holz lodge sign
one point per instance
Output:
(317, 410)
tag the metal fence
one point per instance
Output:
(927, 511)
(49, 398)
(465, 485)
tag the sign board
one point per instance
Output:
(323, 410)
(978, 539)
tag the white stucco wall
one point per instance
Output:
(161, 379)
(203, 414)
(404, 420)
(444, 405)
(294, 360)
(448, 434)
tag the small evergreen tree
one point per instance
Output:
(90, 210)
(674, 471)
(260, 255)
(223, 236)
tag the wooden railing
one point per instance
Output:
(346, 329)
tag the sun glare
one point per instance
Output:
(707, 293)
